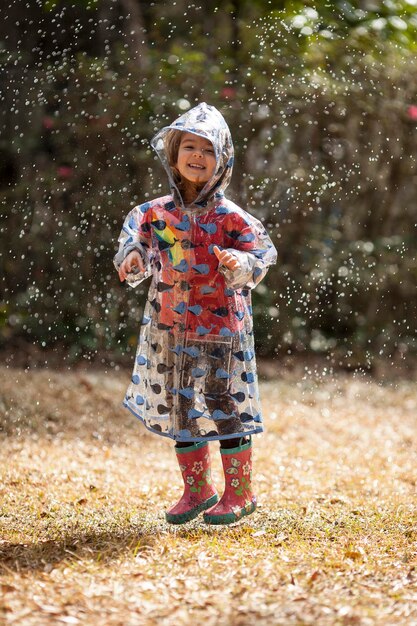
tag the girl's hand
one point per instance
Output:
(132, 260)
(226, 258)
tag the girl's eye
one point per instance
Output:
(191, 147)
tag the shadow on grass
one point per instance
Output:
(142, 537)
(99, 547)
(96, 547)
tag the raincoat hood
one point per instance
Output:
(206, 121)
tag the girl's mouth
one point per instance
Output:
(196, 166)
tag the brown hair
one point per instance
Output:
(188, 190)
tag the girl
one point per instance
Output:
(194, 378)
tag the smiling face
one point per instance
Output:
(196, 160)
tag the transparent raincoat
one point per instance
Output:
(194, 376)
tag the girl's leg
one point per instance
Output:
(238, 498)
(199, 492)
(179, 375)
(217, 391)
(226, 444)
(222, 401)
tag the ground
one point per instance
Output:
(83, 489)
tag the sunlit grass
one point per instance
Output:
(84, 487)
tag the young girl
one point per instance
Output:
(194, 378)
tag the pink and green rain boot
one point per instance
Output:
(238, 499)
(199, 492)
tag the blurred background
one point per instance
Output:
(321, 99)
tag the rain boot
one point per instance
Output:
(238, 499)
(199, 492)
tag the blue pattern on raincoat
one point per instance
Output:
(195, 376)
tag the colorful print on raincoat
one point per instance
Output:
(195, 377)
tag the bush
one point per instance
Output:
(325, 142)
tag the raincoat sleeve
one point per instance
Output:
(253, 248)
(135, 235)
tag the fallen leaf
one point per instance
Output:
(316, 574)
(355, 553)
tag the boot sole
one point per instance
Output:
(228, 518)
(183, 518)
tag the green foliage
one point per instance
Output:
(321, 104)
(88, 5)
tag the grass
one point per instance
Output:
(83, 489)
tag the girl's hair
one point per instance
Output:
(188, 190)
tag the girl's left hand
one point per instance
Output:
(226, 258)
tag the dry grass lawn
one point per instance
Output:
(83, 488)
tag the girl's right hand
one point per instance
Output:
(132, 260)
